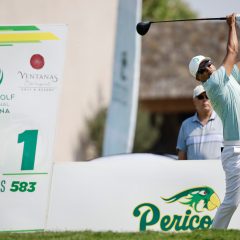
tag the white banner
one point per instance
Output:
(31, 64)
(121, 117)
(137, 192)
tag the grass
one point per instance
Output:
(149, 235)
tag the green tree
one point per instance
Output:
(166, 10)
(145, 133)
(144, 137)
(95, 127)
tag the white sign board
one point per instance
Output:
(137, 192)
(31, 64)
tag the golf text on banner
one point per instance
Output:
(31, 64)
(121, 117)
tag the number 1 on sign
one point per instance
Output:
(29, 138)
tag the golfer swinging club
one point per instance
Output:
(223, 89)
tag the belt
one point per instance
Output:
(231, 143)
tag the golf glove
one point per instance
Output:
(238, 19)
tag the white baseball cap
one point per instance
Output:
(198, 90)
(195, 62)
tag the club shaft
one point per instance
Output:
(191, 19)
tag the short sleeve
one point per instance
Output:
(236, 73)
(216, 81)
(181, 142)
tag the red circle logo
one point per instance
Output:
(37, 61)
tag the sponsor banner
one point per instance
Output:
(31, 64)
(137, 192)
(121, 117)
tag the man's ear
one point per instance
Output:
(197, 77)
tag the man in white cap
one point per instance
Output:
(201, 136)
(223, 89)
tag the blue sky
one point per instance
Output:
(214, 8)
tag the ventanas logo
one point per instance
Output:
(198, 200)
(1, 76)
(35, 80)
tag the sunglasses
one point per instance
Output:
(201, 97)
(202, 69)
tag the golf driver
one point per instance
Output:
(143, 27)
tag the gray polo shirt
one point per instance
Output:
(201, 142)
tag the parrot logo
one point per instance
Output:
(199, 198)
(1, 76)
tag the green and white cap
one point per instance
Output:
(195, 62)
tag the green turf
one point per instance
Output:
(87, 235)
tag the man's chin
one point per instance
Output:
(207, 109)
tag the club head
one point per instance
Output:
(143, 27)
